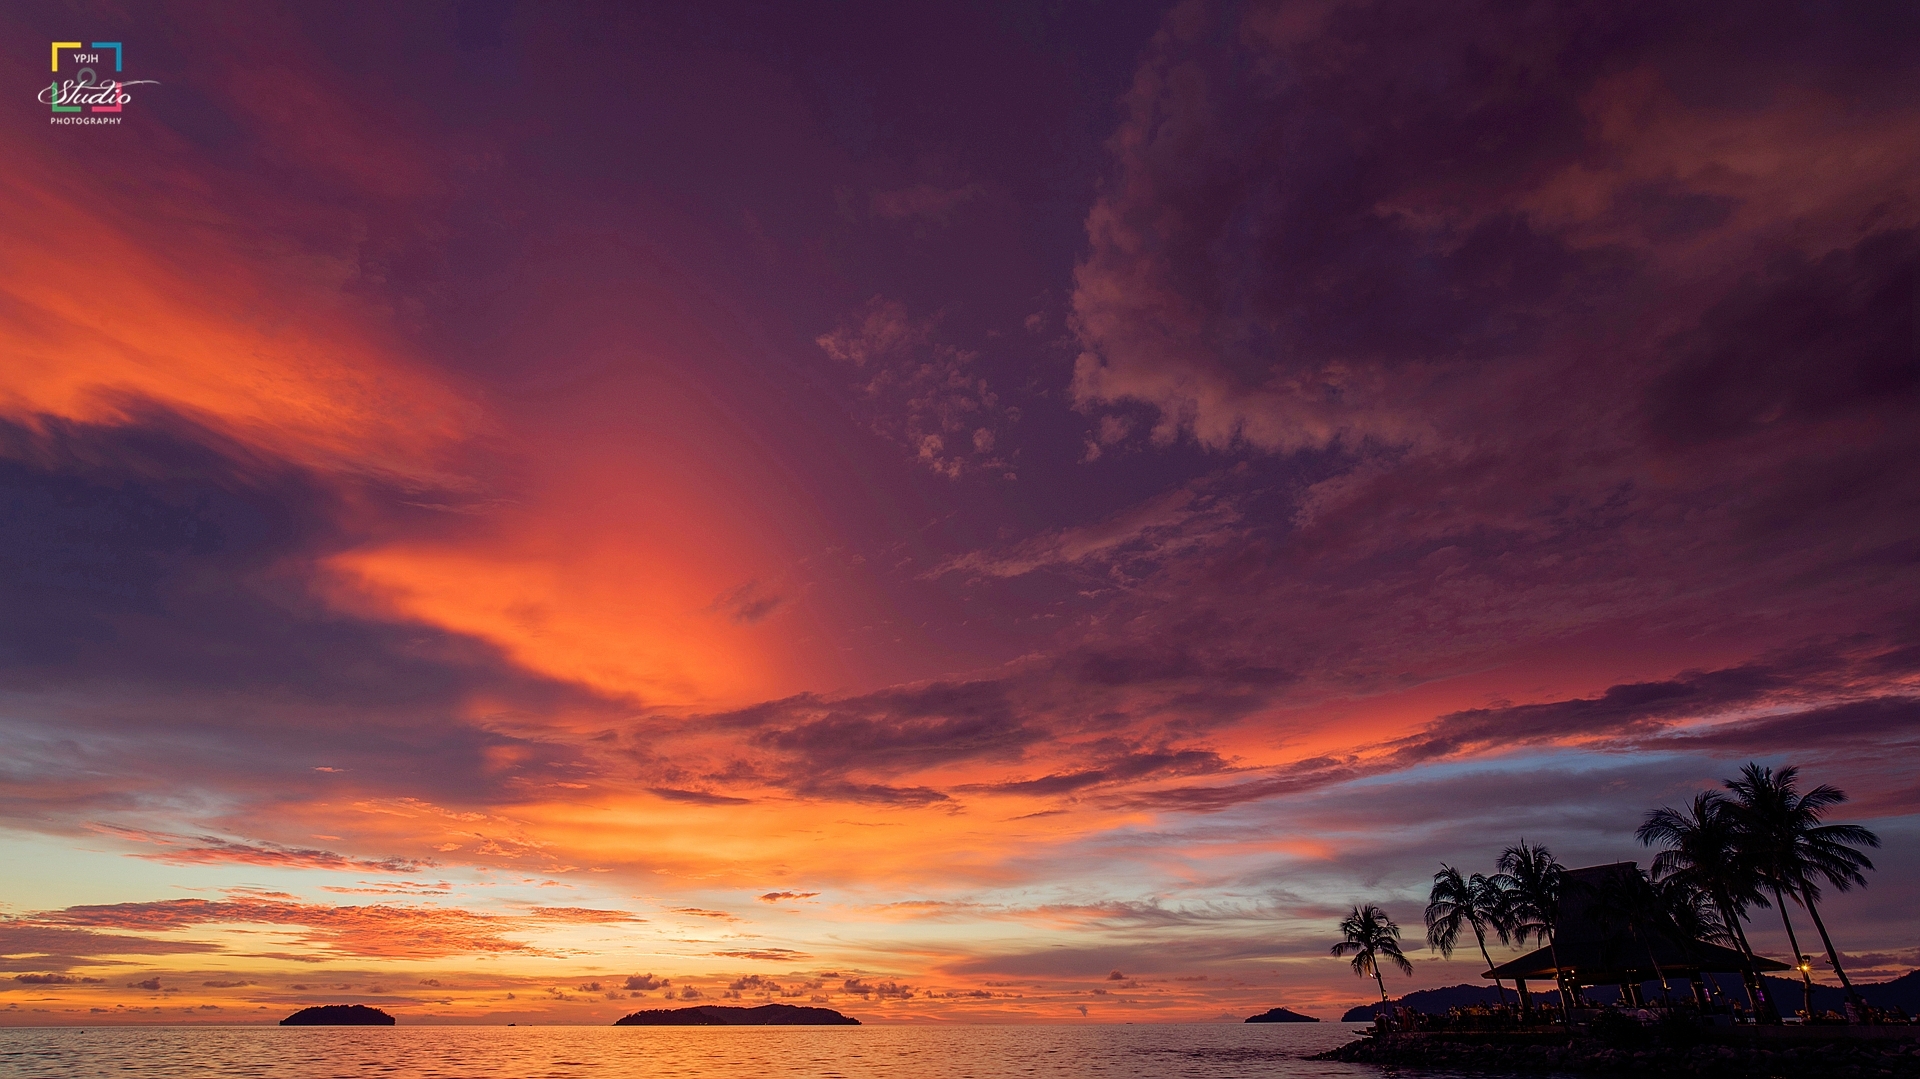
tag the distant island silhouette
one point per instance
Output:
(338, 1015)
(717, 1015)
(1281, 1015)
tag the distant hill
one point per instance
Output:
(1281, 1015)
(1901, 992)
(1437, 1001)
(338, 1015)
(719, 1015)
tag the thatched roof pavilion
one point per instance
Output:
(1593, 952)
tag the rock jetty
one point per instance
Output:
(1709, 1060)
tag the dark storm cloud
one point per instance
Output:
(40, 947)
(1072, 720)
(156, 552)
(1801, 341)
(170, 571)
(1518, 328)
(748, 603)
(1652, 713)
(1318, 214)
(1297, 777)
(1621, 712)
(892, 730)
(701, 798)
(207, 849)
(378, 931)
(1776, 704)
(1879, 724)
(1257, 272)
(1127, 767)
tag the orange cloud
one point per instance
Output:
(206, 849)
(111, 308)
(379, 931)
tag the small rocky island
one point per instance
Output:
(338, 1015)
(1281, 1015)
(717, 1015)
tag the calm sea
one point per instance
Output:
(1200, 1051)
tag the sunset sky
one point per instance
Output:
(968, 512)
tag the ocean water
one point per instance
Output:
(1196, 1051)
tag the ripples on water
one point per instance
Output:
(1200, 1051)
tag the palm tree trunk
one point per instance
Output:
(1482, 938)
(1560, 980)
(1754, 978)
(1386, 1010)
(1665, 990)
(1833, 956)
(1806, 975)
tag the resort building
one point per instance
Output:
(1605, 935)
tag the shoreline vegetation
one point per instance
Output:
(1631, 954)
(1736, 1053)
(1756, 847)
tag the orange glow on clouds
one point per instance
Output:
(107, 312)
(613, 649)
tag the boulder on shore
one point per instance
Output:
(338, 1015)
(719, 1015)
(1281, 1015)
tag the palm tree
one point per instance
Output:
(1703, 853)
(1476, 901)
(1689, 917)
(1371, 936)
(1687, 914)
(1529, 881)
(1780, 828)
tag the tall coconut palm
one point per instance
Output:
(1703, 853)
(1370, 936)
(1475, 901)
(1529, 880)
(1687, 914)
(1780, 829)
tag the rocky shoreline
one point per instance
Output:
(1810, 1058)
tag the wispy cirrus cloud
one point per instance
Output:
(584, 915)
(1152, 534)
(379, 931)
(207, 849)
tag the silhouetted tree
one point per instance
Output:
(1791, 850)
(1474, 901)
(1370, 936)
(1703, 853)
(1529, 881)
